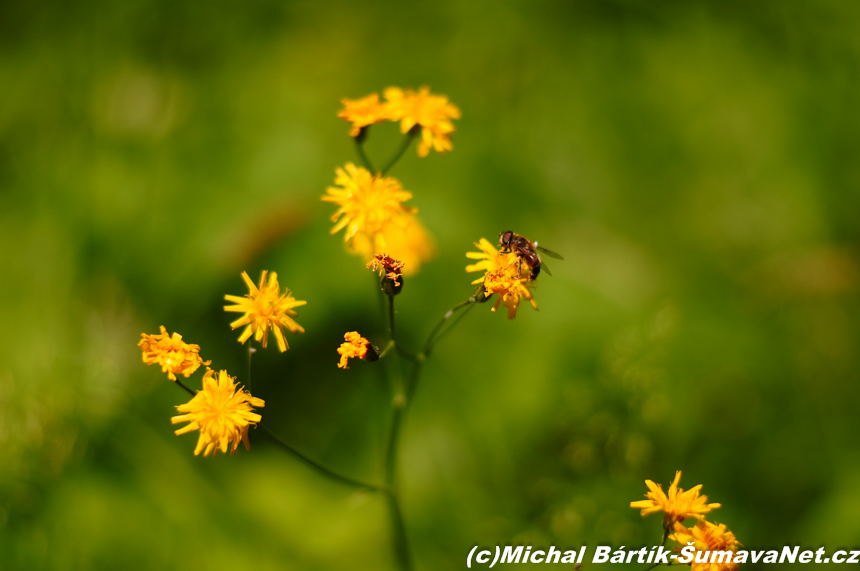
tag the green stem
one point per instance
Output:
(413, 379)
(312, 463)
(388, 348)
(431, 338)
(189, 391)
(400, 403)
(407, 140)
(391, 316)
(359, 148)
(406, 353)
(399, 392)
(662, 543)
(319, 467)
(398, 531)
(251, 351)
(401, 543)
(447, 330)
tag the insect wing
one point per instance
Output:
(545, 269)
(549, 253)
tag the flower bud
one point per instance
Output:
(389, 286)
(372, 353)
(480, 294)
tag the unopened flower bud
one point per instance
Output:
(391, 272)
(372, 353)
(390, 286)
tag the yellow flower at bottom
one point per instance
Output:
(221, 412)
(265, 308)
(707, 536)
(175, 356)
(677, 506)
(355, 347)
(504, 276)
(432, 112)
(363, 112)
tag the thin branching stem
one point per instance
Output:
(319, 467)
(407, 140)
(187, 390)
(399, 405)
(447, 330)
(401, 543)
(307, 460)
(398, 528)
(430, 338)
(406, 353)
(251, 352)
(391, 316)
(388, 348)
(359, 148)
(662, 543)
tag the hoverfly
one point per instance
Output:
(526, 251)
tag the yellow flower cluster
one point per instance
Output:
(175, 356)
(372, 213)
(503, 276)
(354, 347)
(265, 309)
(707, 537)
(677, 506)
(704, 536)
(221, 412)
(432, 113)
(363, 112)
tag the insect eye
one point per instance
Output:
(506, 237)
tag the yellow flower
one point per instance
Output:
(221, 412)
(368, 203)
(503, 276)
(385, 264)
(265, 307)
(371, 210)
(363, 112)
(174, 355)
(355, 347)
(677, 506)
(432, 112)
(706, 536)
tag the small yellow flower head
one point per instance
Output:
(432, 112)
(371, 210)
(355, 347)
(368, 203)
(677, 506)
(265, 307)
(221, 412)
(363, 112)
(707, 536)
(174, 355)
(391, 269)
(503, 276)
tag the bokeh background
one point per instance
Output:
(695, 162)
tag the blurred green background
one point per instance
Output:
(695, 162)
